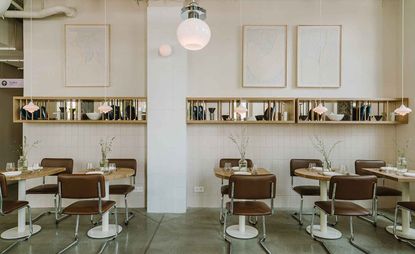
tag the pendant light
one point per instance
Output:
(241, 109)
(193, 33)
(31, 107)
(105, 108)
(403, 110)
(320, 109)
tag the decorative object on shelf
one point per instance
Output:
(212, 113)
(345, 108)
(325, 151)
(106, 146)
(241, 141)
(193, 33)
(335, 117)
(24, 151)
(105, 108)
(259, 117)
(94, 116)
(199, 113)
(320, 109)
(264, 56)
(241, 109)
(226, 118)
(403, 110)
(268, 114)
(165, 50)
(130, 112)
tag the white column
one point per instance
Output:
(22, 212)
(166, 120)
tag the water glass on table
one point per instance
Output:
(112, 167)
(228, 167)
(343, 169)
(10, 166)
(311, 166)
(89, 166)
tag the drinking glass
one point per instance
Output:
(343, 169)
(311, 166)
(89, 166)
(10, 166)
(254, 169)
(228, 166)
(112, 166)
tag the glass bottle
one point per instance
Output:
(22, 163)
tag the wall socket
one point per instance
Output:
(199, 189)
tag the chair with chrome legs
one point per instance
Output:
(410, 207)
(303, 190)
(247, 193)
(124, 189)
(347, 189)
(89, 189)
(224, 189)
(52, 189)
(381, 191)
(6, 207)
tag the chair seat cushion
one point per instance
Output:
(343, 208)
(224, 190)
(12, 205)
(44, 189)
(249, 208)
(383, 191)
(307, 190)
(121, 189)
(88, 207)
(408, 205)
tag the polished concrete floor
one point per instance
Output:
(198, 231)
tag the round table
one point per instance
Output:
(321, 231)
(240, 231)
(22, 230)
(106, 229)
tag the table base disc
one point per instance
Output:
(250, 232)
(331, 233)
(13, 233)
(97, 232)
(410, 235)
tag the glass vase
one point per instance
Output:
(243, 164)
(103, 163)
(327, 165)
(402, 163)
(22, 163)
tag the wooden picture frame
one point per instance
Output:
(87, 55)
(319, 56)
(264, 62)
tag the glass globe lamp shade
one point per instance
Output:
(403, 110)
(105, 108)
(320, 109)
(31, 107)
(193, 34)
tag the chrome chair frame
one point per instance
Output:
(395, 222)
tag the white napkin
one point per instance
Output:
(12, 173)
(331, 174)
(235, 168)
(94, 173)
(410, 174)
(388, 168)
(317, 168)
(242, 173)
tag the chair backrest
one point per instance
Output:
(125, 163)
(352, 187)
(59, 163)
(234, 162)
(81, 186)
(302, 163)
(3, 186)
(252, 186)
(359, 164)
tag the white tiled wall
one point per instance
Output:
(272, 147)
(81, 142)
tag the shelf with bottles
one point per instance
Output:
(237, 110)
(350, 111)
(125, 110)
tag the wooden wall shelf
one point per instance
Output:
(126, 110)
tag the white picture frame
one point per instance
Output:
(87, 55)
(319, 56)
(264, 61)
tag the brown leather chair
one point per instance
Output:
(6, 207)
(245, 191)
(89, 190)
(409, 206)
(347, 189)
(124, 189)
(381, 191)
(224, 189)
(303, 190)
(52, 189)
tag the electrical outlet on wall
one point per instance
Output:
(199, 189)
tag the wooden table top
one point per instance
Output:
(311, 174)
(390, 176)
(26, 175)
(120, 173)
(221, 173)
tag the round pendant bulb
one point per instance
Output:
(193, 34)
(403, 110)
(320, 109)
(31, 107)
(105, 108)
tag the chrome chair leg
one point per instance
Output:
(264, 237)
(221, 213)
(116, 232)
(351, 239)
(75, 241)
(312, 230)
(128, 215)
(253, 220)
(299, 218)
(395, 222)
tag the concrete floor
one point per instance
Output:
(198, 231)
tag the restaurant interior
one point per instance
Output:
(207, 126)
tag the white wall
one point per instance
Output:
(128, 78)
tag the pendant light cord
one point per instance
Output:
(31, 50)
(403, 49)
(320, 52)
(105, 50)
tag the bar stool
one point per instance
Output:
(348, 188)
(303, 190)
(52, 189)
(6, 207)
(224, 189)
(247, 190)
(87, 188)
(381, 191)
(124, 189)
(409, 206)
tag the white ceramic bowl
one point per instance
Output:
(335, 117)
(93, 116)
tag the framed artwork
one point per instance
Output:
(319, 56)
(264, 56)
(87, 55)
